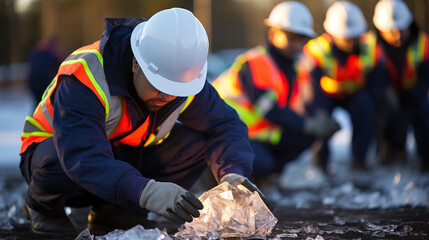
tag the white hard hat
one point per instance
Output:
(392, 14)
(171, 49)
(344, 20)
(292, 16)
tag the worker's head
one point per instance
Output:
(290, 27)
(392, 18)
(170, 52)
(345, 22)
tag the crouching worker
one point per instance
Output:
(261, 86)
(131, 121)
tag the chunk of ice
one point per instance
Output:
(230, 211)
(135, 233)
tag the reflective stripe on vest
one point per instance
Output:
(265, 76)
(86, 64)
(417, 52)
(340, 81)
(151, 136)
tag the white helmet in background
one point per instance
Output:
(292, 16)
(392, 14)
(345, 20)
(171, 49)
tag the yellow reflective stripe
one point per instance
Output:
(188, 101)
(150, 139)
(97, 53)
(40, 134)
(247, 116)
(276, 135)
(410, 57)
(321, 49)
(93, 81)
(54, 80)
(34, 123)
(367, 57)
(420, 48)
(272, 135)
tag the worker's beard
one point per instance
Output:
(155, 104)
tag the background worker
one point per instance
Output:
(44, 59)
(260, 85)
(106, 130)
(343, 68)
(406, 50)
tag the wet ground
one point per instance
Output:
(310, 217)
(385, 202)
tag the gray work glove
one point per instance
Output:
(171, 201)
(321, 126)
(236, 179)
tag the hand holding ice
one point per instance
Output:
(230, 211)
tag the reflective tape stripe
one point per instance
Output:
(92, 65)
(188, 101)
(116, 113)
(32, 125)
(40, 134)
(266, 102)
(46, 113)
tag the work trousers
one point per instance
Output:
(362, 112)
(415, 113)
(271, 158)
(181, 159)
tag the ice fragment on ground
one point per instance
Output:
(136, 233)
(85, 235)
(230, 211)
(317, 238)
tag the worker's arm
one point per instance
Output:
(283, 116)
(84, 150)
(228, 146)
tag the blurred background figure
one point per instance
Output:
(343, 68)
(44, 59)
(406, 48)
(261, 86)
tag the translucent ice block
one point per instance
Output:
(137, 232)
(230, 211)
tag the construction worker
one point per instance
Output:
(260, 85)
(106, 127)
(343, 68)
(406, 51)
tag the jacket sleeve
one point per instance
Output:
(228, 146)
(83, 149)
(283, 116)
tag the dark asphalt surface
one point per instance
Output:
(293, 223)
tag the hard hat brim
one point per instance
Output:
(179, 89)
(307, 32)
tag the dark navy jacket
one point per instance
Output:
(86, 154)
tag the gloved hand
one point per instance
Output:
(170, 200)
(236, 179)
(321, 126)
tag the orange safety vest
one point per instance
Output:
(417, 52)
(266, 76)
(86, 64)
(343, 80)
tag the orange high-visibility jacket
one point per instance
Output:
(343, 80)
(417, 52)
(86, 64)
(266, 76)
